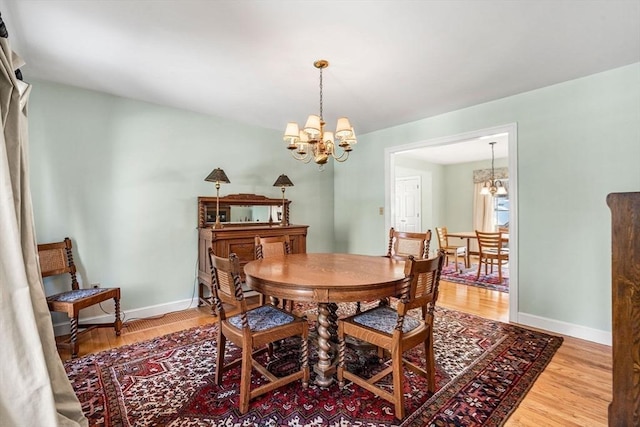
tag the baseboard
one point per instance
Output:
(138, 313)
(564, 328)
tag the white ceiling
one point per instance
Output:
(392, 62)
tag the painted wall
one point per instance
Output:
(121, 178)
(577, 142)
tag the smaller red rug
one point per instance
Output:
(468, 277)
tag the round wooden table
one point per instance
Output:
(326, 278)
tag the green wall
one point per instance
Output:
(577, 141)
(121, 178)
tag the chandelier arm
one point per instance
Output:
(306, 158)
(342, 157)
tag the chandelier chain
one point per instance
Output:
(321, 116)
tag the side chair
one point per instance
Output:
(252, 330)
(402, 244)
(394, 332)
(450, 250)
(266, 247)
(491, 252)
(56, 259)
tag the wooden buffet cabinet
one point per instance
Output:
(244, 216)
(624, 410)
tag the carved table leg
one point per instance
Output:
(324, 369)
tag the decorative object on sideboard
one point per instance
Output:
(312, 142)
(217, 175)
(282, 182)
(493, 186)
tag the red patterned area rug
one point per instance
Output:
(484, 369)
(468, 277)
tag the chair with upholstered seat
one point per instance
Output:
(402, 244)
(491, 252)
(394, 332)
(57, 258)
(252, 330)
(450, 250)
(266, 247)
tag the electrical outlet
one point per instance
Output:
(96, 285)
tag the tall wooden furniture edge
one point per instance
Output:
(239, 200)
(239, 238)
(624, 409)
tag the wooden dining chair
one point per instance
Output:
(252, 330)
(266, 247)
(394, 332)
(402, 244)
(491, 252)
(57, 259)
(450, 250)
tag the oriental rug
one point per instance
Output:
(484, 369)
(468, 277)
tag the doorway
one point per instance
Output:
(478, 141)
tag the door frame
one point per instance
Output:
(512, 130)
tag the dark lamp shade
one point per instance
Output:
(283, 181)
(217, 175)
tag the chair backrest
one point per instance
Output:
(443, 240)
(421, 288)
(489, 241)
(227, 285)
(504, 230)
(57, 258)
(271, 246)
(404, 244)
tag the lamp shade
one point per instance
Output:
(343, 129)
(292, 131)
(312, 127)
(283, 181)
(217, 175)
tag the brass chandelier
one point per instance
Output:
(312, 142)
(493, 186)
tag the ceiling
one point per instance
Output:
(391, 62)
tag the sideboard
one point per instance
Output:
(239, 237)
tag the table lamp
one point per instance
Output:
(217, 175)
(282, 182)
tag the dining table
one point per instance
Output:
(468, 235)
(326, 279)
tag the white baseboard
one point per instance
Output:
(564, 328)
(63, 328)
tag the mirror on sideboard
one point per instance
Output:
(241, 210)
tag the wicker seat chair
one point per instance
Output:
(252, 330)
(394, 332)
(57, 258)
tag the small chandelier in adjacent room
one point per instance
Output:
(493, 186)
(313, 143)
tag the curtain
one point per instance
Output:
(35, 390)
(482, 213)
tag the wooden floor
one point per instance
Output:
(574, 389)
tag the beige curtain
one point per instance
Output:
(482, 213)
(34, 388)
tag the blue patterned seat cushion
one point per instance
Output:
(263, 318)
(71, 296)
(384, 319)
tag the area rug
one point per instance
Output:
(484, 369)
(468, 277)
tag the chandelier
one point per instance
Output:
(312, 142)
(493, 186)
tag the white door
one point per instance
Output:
(408, 204)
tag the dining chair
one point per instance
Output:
(450, 250)
(57, 259)
(252, 330)
(402, 244)
(491, 252)
(266, 247)
(394, 332)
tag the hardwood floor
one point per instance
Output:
(574, 389)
